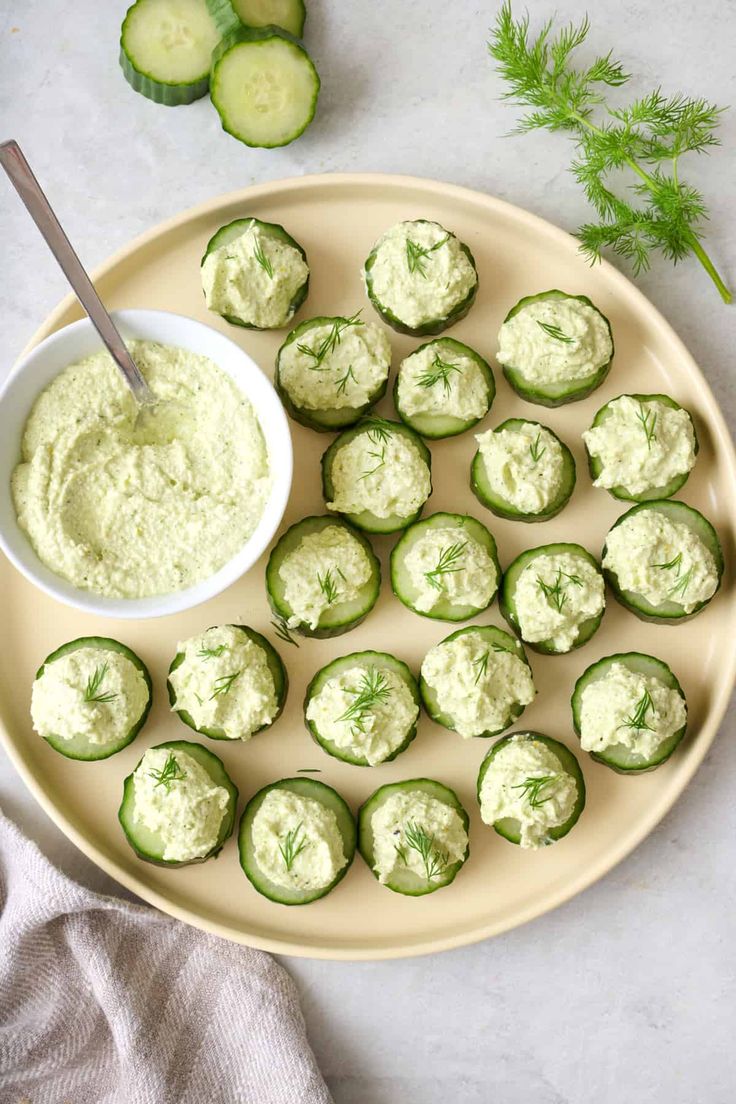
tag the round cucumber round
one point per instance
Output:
(165, 49)
(80, 747)
(595, 465)
(230, 15)
(566, 391)
(147, 844)
(381, 661)
(264, 86)
(402, 584)
(669, 612)
(617, 756)
(509, 827)
(304, 787)
(340, 617)
(275, 666)
(506, 598)
(438, 426)
(500, 506)
(407, 881)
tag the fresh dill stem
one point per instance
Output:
(170, 772)
(536, 452)
(448, 563)
(574, 580)
(342, 383)
(645, 137)
(379, 430)
(532, 786)
(418, 839)
(330, 342)
(328, 586)
(500, 648)
(401, 853)
(440, 372)
(675, 562)
(281, 630)
(212, 653)
(648, 420)
(553, 592)
(417, 254)
(683, 582)
(224, 684)
(292, 846)
(372, 690)
(93, 691)
(482, 664)
(638, 719)
(555, 332)
(263, 260)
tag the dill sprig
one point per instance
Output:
(372, 690)
(448, 563)
(93, 691)
(638, 719)
(328, 585)
(440, 372)
(647, 138)
(675, 562)
(648, 421)
(481, 663)
(170, 772)
(536, 452)
(330, 341)
(224, 684)
(212, 653)
(434, 858)
(532, 786)
(292, 846)
(680, 587)
(343, 381)
(417, 254)
(555, 332)
(500, 648)
(282, 631)
(555, 593)
(261, 258)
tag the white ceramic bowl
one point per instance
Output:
(36, 370)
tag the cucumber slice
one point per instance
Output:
(275, 666)
(367, 520)
(500, 506)
(305, 787)
(382, 661)
(401, 581)
(79, 747)
(146, 844)
(668, 613)
(407, 882)
(165, 49)
(618, 757)
(264, 86)
(230, 15)
(340, 617)
(509, 827)
(507, 603)
(596, 467)
(438, 426)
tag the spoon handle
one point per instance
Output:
(29, 190)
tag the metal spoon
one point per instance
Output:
(29, 190)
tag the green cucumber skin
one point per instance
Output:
(638, 605)
(361, 659)
(633, 660)
(108, 644)
(573, 392)
(276, 667)
(221, 777)
(570, 764)
(227, 20)
(508, 608)
(365, 835)
(453, 426)
(478, 480)
(595, 467)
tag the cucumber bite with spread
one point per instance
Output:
(554, 597)
(378, 475)
(522, 471)
(629, 711)
(363, 708)
(476, 681)
(555, 348)
(420, 277)
(531, 789)
(297, 840)
(413, 835)
(227, 683)
(641, 447)
(331, 371)
(90, 698)
(446, 567)
(443, 388)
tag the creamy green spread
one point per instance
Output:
(335, 364)
(367, 710)
(129, 510)
(661, 560)
(381, 470)
(629, 709)
(177, 800)
(254, 278)
(555, 340)
(438, 380)
(420, 272)
(523, 465)
(326, 569)
(448, 565)
(224, 683)
(525, 781)
(416, 832)
(296, 841)
(477, 684)
(554, 595)
(641, 445)
(90, 692)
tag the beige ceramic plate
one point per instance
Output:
(337, 219)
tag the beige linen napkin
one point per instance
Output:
(106, 1002)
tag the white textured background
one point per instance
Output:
(625, 995)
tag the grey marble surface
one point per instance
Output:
(626, 994)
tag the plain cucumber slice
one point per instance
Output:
(617, 756)
(146, 844)
(229, 15)
(381, 661)
(264, 86)
(166, 49)
(406, 881)
(438, 426)
(340, 617)
(317, 791)
(79, 747)
(402, 584)
(500, 506)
